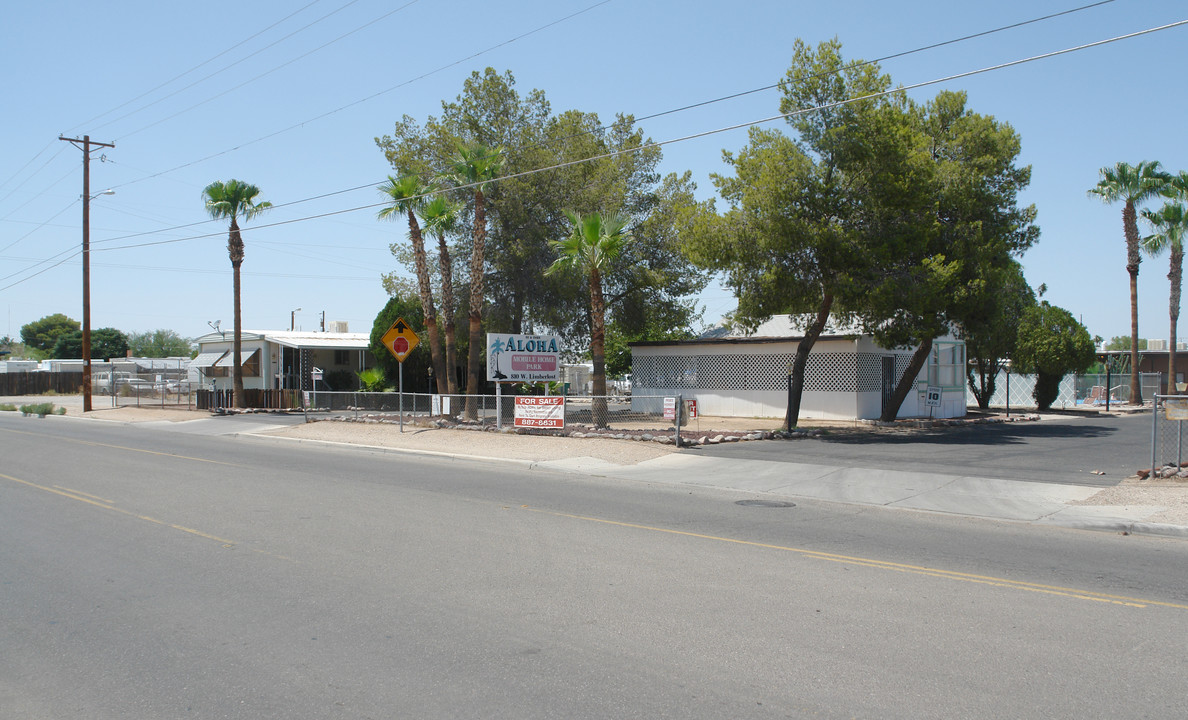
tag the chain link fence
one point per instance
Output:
(1074, 390)
(165, 384)
(1168, 445)
(603, 412)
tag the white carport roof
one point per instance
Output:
(318, 340)
(208, 359)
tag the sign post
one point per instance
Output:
(400, 341)
(932, 399)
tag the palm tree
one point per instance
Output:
(1133, 186)
(440, 217)
(475, 166)
(597, 239)
(1170, 224)
(408, 196)
(235, 199)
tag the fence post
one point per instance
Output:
(1154, 432)
(680, 408)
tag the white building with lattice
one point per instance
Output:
(847, 377)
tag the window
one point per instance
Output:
(342, 357)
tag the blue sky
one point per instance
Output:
(298, 92)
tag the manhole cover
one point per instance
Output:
(764, 503)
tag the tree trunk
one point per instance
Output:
(425, 289)
(919, 358)
(598, 409)
(800, 361)
(447, 310)
(1130, 228)
(1175, 276)
(235, 249)
(476, 306)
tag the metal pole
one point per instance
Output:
(498, 406)
(1107, 383)
(401, 397)
(1154, 432)
(1008, 390)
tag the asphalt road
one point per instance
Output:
(1059, 448)
(158, 574)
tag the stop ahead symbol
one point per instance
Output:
(400, 345)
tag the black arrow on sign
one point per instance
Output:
(400, 327)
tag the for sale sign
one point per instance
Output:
(540, 412)
(523, 358)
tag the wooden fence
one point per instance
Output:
(39, 383)
(267, 399)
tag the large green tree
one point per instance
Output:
(591, 249)
(595, 166)
(159, 344)
(792, 240)
(950, 222)
(235, 200)
(409, 195)
(106, 343)
(1132, 186)
(1051, 344)
(44, 333)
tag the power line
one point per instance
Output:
(207, 62)
(694, 136)
(269, 72)
(900, 89)
(369, 97)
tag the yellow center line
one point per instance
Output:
(885, 565)
(107, 506)
(129, 449)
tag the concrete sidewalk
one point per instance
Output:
(1016, 500)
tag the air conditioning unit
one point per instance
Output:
(1181, 346)
(1157, 345)
(337, 326)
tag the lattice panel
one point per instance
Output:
(825, 372)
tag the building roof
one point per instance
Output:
(779, 328)
(298, 339)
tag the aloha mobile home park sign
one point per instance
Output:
(523, 358)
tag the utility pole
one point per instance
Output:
(85, 145)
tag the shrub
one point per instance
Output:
(38, 409)
(7, 407)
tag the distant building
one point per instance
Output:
(280, 359)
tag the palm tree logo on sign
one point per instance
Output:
(497, 348)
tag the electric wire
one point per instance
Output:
(782, 116)
(899, 89)
(278, 67)
(202, 64)
(368, 98)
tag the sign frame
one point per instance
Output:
(540, 412)
(532, 358)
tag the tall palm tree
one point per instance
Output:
(408, 195)
(441, 217)
(475, 166)
(1170, 224)
(1133, 186)
(235, 199)
(596, 241)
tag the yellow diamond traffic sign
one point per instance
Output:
(400, 339)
